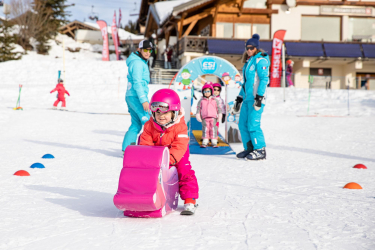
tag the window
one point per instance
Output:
(224, 30)
(321, 28)
(362, 29)
(263, 30)
(256, 4)
(243, 30)
(246, 30)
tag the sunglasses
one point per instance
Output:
(161, 106)
(207, 91)
(250, 48)
(147, 50)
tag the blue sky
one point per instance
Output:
(104, 8)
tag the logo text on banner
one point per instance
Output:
(276, 65)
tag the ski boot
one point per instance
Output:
(214, 143)
(189, 207)
(204, 143)
(243, 154)
(257, 154)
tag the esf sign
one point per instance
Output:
(209, 65)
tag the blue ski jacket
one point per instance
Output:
(256, 77)
(138, 77)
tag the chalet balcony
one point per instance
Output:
(317, 49)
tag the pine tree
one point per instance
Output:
(7, 41)
(131, 27)
(54, 14)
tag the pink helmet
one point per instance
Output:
(208, 85)
(167, 96)
(216, 85)
(165, 100)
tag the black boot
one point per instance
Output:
(244, 153)
(256, 155)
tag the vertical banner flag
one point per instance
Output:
(103, 28)
(119, 24)
(119, 17)
(115, 36)
(276, 65)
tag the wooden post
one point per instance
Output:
(191, 26)
(359, 82)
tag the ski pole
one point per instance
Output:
(348, 97)
(20, 95)
(308, 105)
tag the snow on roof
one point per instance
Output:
(121, 32)
(164, 9)
(94, 25)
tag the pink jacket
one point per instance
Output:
(209, 107)
(222, 104)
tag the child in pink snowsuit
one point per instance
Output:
(61, 94)
(217, 91)
(208, 113)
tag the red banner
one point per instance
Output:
(119, 17)
(103, 28)
(115, 36)
(276, 65)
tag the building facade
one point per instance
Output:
(334, 41)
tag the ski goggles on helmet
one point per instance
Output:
(161, 106)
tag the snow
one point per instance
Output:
(165, 8)
(293, 200)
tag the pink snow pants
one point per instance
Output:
(289, 79)
(209, 128)
(187, 181)
(60, 100)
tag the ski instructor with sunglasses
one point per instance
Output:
(137, 91)
(252, 97)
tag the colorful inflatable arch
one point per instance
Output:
(230, 77)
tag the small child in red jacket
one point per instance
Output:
(61, 94)
(167, 128)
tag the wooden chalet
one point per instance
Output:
(70, 28)
(336, 35)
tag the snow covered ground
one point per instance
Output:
(293, 200)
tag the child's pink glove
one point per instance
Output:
(199, 118)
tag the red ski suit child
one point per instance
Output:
(61, 94)
(175, 137)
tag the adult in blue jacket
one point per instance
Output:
(251, 101)
(137, 91)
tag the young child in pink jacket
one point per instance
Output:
(217, 91)
(209, 113)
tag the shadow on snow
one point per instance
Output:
(86, 202)
(113, 152)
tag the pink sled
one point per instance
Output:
(148, 186)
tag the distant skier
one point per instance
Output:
(167, 128)
(289, 72)
(60, 94)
